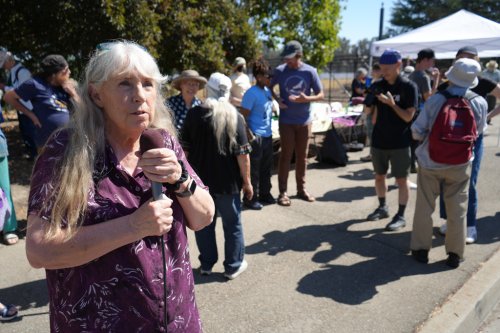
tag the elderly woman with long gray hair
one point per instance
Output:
(115, 260)
(216, 144)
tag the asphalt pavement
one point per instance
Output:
(321, 267)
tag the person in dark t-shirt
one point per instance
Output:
(396, 101)
(216, 145)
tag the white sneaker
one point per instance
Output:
(471, 235)
(442, 229)
(241, 269)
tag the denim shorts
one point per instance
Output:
(399, 158)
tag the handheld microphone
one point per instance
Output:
(151, 139)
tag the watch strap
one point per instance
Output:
(188, 191)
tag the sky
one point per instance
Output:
(360, 18)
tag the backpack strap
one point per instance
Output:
(470, 95)
(16, 73)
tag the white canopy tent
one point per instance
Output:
(446, 36)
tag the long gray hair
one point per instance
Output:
(224, 114)
(87, 134)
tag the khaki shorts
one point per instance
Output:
(399, 158)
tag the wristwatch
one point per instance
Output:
(184, 176)
(188, 191)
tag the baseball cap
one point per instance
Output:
(467, 49)
(389, 57)
(219, 85)
(239, 61)
(464, 73)
(292, 48)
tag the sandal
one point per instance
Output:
(284, 200)
(9, 312)
(304, 195)
(10, 238)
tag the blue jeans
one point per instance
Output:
(228, 206)
(472, 204)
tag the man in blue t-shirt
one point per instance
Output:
(299, 85)
(257, 107)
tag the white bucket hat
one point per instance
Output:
(464, 73)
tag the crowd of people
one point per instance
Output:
(95, 176)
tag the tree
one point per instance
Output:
(314, 23)
(203, 34)
(411, 14)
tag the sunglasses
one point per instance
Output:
(106, 46)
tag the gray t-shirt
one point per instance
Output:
(423, 83)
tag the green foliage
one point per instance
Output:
(314, 23)
(202, 34)
(411, 14)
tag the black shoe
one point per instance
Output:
(413, 169)
(421, 255)
(398, 222)
(380, 213)
(267, 199)
(453, 260)
(255, 205)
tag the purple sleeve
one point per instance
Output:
(44, 175)
(316, 85)
(27, 90)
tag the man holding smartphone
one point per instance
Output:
(395, 99)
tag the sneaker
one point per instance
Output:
(421, 255)
(471, 235)
(442, 229)
(243, 267)
(267, 199)
(380, 213)
(398, 222)
(205, 272)
(254, 204)
(453, 260)
(412, 185)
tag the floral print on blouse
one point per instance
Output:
(122, 291)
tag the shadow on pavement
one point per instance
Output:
(358, 261)
(27, 295)
(348, 194)
(363, 174)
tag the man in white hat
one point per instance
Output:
(452, 178)
(492, 73)
(240, 82)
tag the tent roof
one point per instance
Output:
(446, 36)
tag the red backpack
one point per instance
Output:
(454, 131)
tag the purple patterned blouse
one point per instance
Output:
(121, 291)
